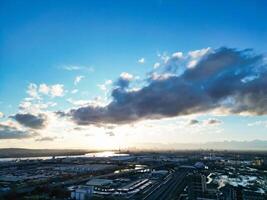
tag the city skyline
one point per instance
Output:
(104, 75)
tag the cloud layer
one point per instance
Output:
(225, 79)
(9, 132)
(30, 120)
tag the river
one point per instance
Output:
(103, 154)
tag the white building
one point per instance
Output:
(99, 182)
(82, 192)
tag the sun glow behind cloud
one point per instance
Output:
(177, 102)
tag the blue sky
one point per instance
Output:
(41, 40)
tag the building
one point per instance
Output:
(258, 162)
(82, 192)
(99, 182)
(230, 192)
(253, 195)
(157, 174)
(197, 188)
(85, 168)
(196, 185)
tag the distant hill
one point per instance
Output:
(20, 152)
(253, 145)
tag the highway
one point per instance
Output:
(170, 188)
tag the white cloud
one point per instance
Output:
(249, 78)
(51, 104)
(178, 55)
(126, 76)
(1, 115)
(108, 82)
(72, 67)
(78, 79)
(78, 102)
(102, 87)
(192, 63)
(105, 85)
(57, 90)
(199, 53)
(35, 107)
(163, 57)
(25, 105)
(195, 56)
(36, 91)
(258, 123)
(157, 76)
(156, 65)
(74, 91)
(32, 91)
(78, 68)
(81, 102)
(134, 89)
(44, 89)
(141, 60)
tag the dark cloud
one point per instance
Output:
(45, 139)
(213, 121)
(9, 132)
(220, 79)
(60, 114)
(78, 129)
(31, 121)
(193, 122)
(110, 127)
(122, 82)
(110, 133)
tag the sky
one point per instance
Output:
(104, 74)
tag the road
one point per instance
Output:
(170, 188)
